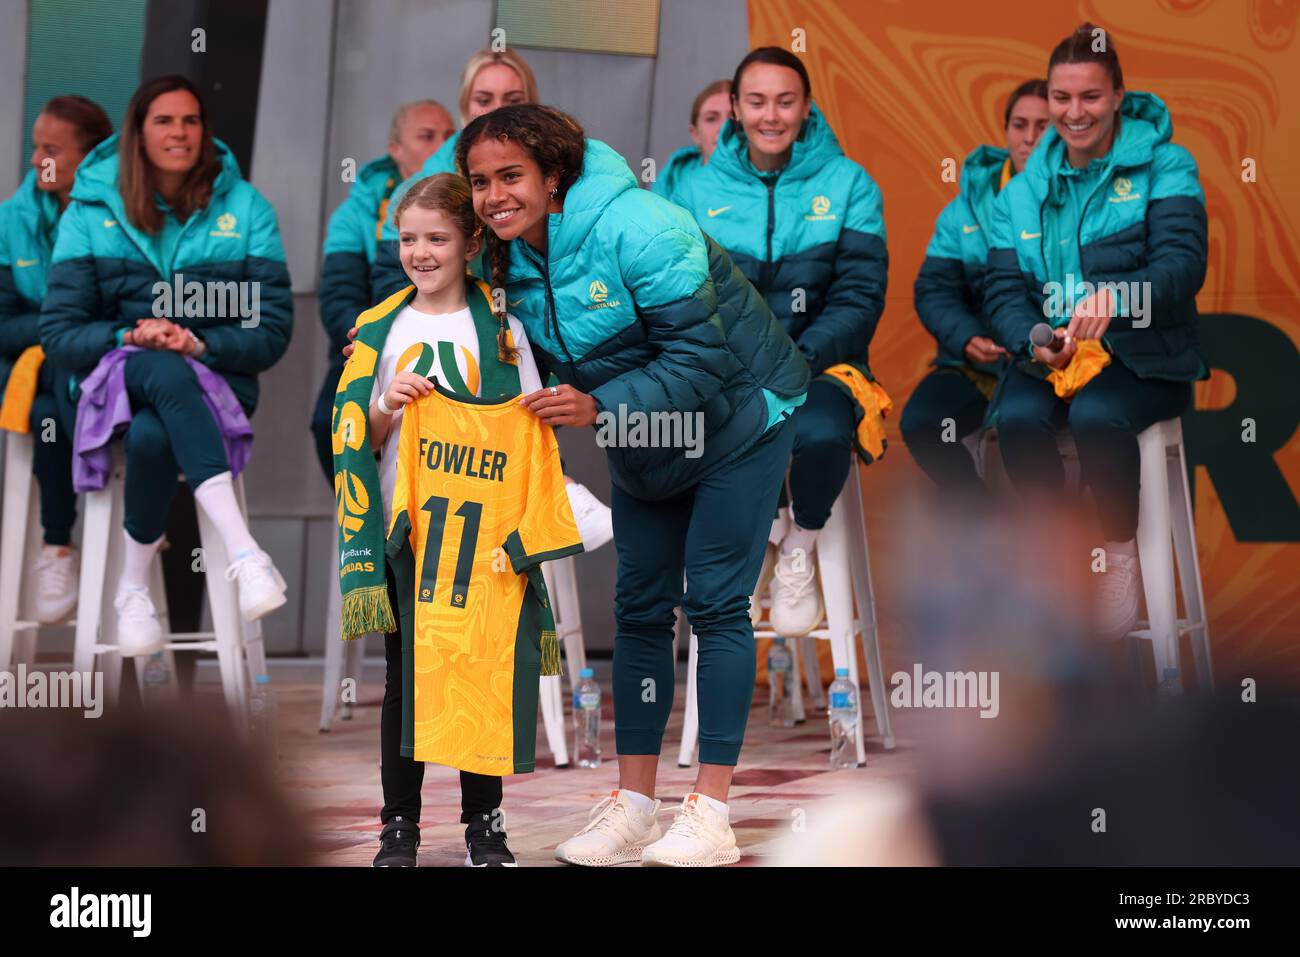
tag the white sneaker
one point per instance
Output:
(593, 517)
(1117, 595)
(699, 837)
(261, 589)
(796, 597)
(764, 582)
(138, 630)
(56, 583)
(616, 833)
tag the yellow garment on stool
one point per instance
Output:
(873, 404)
(20, 393)
(1091, 358)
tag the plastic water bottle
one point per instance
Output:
(843, 715)
(154, 680)
(781, 702)
(586, 719)
(261, 712)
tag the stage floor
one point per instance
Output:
(334, 777)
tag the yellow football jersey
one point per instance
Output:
(480, 500)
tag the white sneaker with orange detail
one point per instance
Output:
(699, 837)
(616, 833)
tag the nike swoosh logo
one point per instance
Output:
(1028, 235)
(715, 212)
(23, 263)
(109, 223)
(515, 303)
(969, 229)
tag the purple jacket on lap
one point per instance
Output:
(104, 410)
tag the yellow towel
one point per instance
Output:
(873, 405)
(16, 410)
(1090, 359)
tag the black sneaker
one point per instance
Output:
(485, 846)
(397, 843)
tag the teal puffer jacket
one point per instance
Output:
(28, 220)
(106, 274)
(811, 237)
(1144, 222)
(683, 163)
(633, 304)
(949, 290)
(386, 276)
(351, 239)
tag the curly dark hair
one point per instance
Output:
(554, 140)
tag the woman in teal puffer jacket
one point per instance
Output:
(66, 129)
(161, 208)
(1104, 237)
(647, 324)
(952, 401)
(805, 224)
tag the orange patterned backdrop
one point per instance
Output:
(907, 84)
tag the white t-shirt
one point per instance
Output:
(442, 347)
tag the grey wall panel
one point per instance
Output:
(389, 52)
(283, 478)
(13, 80)
(292, 122)
(609, 95)
(698, 43)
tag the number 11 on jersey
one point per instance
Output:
(471, 513)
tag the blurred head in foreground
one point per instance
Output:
(1075, 762)
(138, 788)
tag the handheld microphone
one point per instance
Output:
(1043, 337)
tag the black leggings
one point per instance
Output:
(1105, 417)
(402, 776)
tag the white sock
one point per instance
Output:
(216, 497)
(638, 800)
(136, 559)
(714, 804)
(797, 537)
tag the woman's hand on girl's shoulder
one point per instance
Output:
(561, 405)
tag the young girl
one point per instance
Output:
(438, 236)
(1106, 197)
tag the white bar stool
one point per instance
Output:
(20, 537)
(844, 570)
(238, 644)
(562, 587)
(1165, 516)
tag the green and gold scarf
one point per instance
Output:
(358, 499)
